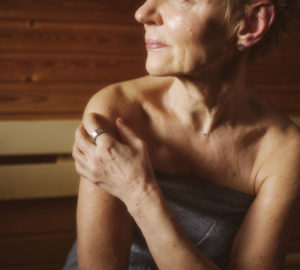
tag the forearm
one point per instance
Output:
(168, 243)
(103, 229)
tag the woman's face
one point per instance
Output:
(183, 37)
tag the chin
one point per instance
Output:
(160, 68)
(165, 71)
(166, 66)
(156, 70)
(158, 64)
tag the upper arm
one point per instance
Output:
(104, 227)
(262, 239)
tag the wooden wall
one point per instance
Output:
(54, 54)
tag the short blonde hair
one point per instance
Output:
(286, 16)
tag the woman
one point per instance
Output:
(188, 168)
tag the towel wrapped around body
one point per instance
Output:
(209, 214)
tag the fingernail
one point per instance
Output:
(120, 120)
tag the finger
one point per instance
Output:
(82, 141)
(86, 167)
(92, 122)
(78, 154)
(127, 134)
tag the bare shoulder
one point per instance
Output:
(279, 153)
(262, 240)
(124, 98)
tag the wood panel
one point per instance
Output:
(81, 45)
(44, 266)
(36, 162)
(276, 76)
(36, 234)
(42, 137)
(111, 11)
(43, 180)
(40, 100)
(285, 97)
(89, 37)
(35, 249)
(65, 67)
(275, 71)
(292, 261)
(27, 217)
(55, 54)
(294, 243)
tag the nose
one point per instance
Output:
(149, 13)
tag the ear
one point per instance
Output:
(256, 24)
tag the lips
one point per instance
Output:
(152, 44)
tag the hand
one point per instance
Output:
(123, 169)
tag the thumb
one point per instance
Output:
(127, 134)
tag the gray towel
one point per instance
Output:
(209, 214)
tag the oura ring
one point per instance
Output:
(97, 132)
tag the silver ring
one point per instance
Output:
(97, 132)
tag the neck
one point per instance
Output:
(212, 99)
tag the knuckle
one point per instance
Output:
(140, 144)
(107, 143)
(92, 116)
(89, 117)
(93, 167)
(90, 121)
(98, 156)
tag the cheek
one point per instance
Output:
(176, 23)
(189, 47)
(180, 28)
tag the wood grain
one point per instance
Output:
(111, 11)
(35, 248)
(38, 100)
(284, 97)
(36, 233)
(89, 37)
(43, 266)
(65, 67)
(55, 54)
(27, 217)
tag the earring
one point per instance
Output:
(240, 47)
